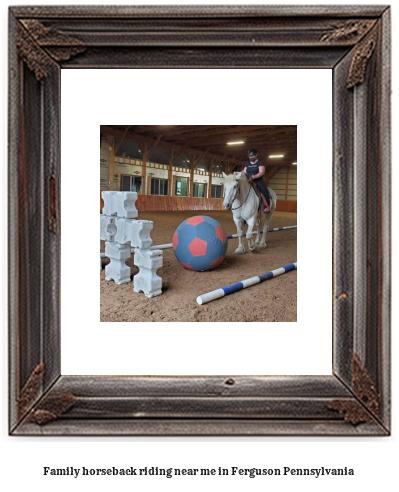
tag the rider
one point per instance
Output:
(254, 170)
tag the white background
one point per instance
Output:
(281, 97)
(374, 459)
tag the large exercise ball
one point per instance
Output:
(200, 243)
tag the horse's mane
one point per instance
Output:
(242, 178)
(233, 177)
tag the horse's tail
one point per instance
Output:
(273, 198)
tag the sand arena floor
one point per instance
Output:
(272, 301)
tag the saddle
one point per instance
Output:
(257, 191)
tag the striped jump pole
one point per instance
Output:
(230, 289)
(275, 229)
(231, 236)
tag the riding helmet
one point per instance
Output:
(252, 153)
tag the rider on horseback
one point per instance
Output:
(254, 170)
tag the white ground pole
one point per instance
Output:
(160, 246)
(243, 284)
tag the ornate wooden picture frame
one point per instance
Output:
(353, 42)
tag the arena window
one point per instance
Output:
(159, 186)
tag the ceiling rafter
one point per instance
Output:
(199, 139)
(212, 129)
(109, 130)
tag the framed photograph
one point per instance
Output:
(175, 169)
(353, 42)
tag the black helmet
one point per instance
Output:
(252, 152)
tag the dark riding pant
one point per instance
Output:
(263, 189)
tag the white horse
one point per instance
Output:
(242, 200)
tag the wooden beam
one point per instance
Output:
(111, 167)
(230, 166)
(144, 173)
(123, 138)
(172, 129)
(212, 139)
(201, 155)
(178, 152)
(239, 166)
(154, 146)
(170, 174)
(192, 168)
(139, 138)
(210, 180)
(218, 161)
(210, 129)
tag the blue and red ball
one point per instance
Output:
(200, 243)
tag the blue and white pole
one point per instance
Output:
(230, 289)
(275, 229)
(231, 236)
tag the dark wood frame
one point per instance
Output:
(353, 41)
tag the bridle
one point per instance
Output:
(235, 196)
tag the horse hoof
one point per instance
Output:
(261, 246)
(239, 251)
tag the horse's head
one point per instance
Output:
(231, 189)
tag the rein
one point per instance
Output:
(249, 191)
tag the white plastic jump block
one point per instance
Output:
(117, 269)
(135, 232)
(125, 231)
(147, 280)
(121, 233)
(120, 203)
(107, 228)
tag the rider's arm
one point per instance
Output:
(245, 172)
(261, 172)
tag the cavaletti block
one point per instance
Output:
(123, 235)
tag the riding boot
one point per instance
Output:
(266, 209)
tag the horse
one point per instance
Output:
(241, 198)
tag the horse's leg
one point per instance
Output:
(259, 223)
(266, 221)
(239, 223)
(251, 222)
